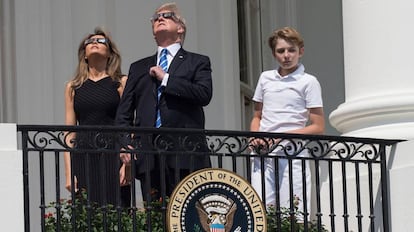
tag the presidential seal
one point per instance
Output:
(215, 200)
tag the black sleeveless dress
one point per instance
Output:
(95, 103)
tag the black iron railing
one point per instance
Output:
(349, 175)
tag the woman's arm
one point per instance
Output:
(70, 120)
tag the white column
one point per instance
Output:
(379, 80)
(11, 180)
(401, 169)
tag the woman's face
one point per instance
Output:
(97, 45)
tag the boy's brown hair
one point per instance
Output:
(287, 33)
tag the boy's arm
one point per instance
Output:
(316, 125)
(257, 116)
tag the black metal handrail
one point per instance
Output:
(228, 149)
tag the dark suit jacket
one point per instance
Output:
(188, 90)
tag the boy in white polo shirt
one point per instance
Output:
(285, 100)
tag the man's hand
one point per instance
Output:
(125, 157)
(157, 72)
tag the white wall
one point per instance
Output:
(11, 180)
(48, 35)
(41, 38)
(401, 188)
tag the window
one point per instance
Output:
(250, 54)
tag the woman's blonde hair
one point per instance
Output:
(113, 66)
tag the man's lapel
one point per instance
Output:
(153, 62)
(179, 58)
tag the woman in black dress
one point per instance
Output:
(91, 98)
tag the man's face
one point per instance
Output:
(165, 21)
(287, 55)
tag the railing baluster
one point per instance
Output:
(25, 154)
(318, 196)
(384, 188)
(371, 199)
(331, 196)
(57, 187)
(276, 161)
(358, 196)
(345, 197)
(42, 188)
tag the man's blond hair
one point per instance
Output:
(172, 6)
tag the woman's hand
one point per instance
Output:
(125, 174)
(68, 185)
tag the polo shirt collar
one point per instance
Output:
(295, 74)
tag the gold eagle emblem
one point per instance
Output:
(216, 209)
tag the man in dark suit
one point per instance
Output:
(168, 89)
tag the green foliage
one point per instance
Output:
(98, 217)
(286, 221)
(290, 221)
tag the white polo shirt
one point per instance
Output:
(286, 99)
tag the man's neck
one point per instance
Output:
(166, 41)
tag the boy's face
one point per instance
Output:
(287, 55)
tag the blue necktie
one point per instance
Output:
(164, 65)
